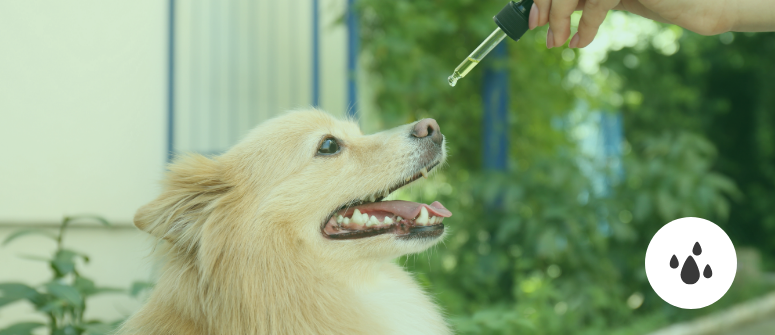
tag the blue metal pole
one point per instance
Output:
(613, 136)
(495, 100)
(315, 53)
(352, 59)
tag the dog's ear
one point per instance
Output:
(193, 187)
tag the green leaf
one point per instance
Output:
(55, 306)
(11, 292)
(97, 328)
(84, 285)
(67, 293)
(67, 330)
(64, 261)
(87, 287)
(21, 233)
(86, 217)
(35, 258)
(100, 290)
(23, 328)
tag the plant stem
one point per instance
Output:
(52, 323)
(62, 232)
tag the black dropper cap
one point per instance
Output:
(513, 19)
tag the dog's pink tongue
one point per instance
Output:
(406, 209)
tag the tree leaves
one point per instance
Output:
(543, 202)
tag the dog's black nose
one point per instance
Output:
(428, 128)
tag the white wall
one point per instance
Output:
(83, 130)
(83, 120)
(82, 107)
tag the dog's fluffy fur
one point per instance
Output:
(244, 252)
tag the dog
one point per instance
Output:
(287, 233)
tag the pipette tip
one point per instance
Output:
(453, 79)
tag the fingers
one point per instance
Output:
(559, 22)
(592, 17)
(541, 10)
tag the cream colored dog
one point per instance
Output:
(286, 233)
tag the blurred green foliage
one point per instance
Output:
(534, 249)
(63, 298)
(722, 89)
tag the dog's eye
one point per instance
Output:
(328, 147)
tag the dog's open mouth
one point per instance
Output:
(372, 216)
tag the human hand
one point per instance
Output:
(706, 17)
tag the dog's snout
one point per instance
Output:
(428, 128)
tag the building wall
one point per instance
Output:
(82, 108)
(83, 114)
(241, 62)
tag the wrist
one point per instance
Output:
(753, 16)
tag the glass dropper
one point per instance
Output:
(512, 21)
(475, 57)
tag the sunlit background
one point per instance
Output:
(562, 163)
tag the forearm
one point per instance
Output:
(754, 15)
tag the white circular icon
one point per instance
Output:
(691, 263)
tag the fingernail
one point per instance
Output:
(574, 42)
(532, 20)
(549, 39)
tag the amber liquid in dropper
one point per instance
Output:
(475, 57)
(462, 70)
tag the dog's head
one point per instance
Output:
(305, 181)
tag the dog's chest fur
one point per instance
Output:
(400, 306)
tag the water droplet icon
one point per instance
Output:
(697, 250)
(673, 262)
(707, 272)
(690, 273)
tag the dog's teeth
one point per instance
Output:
(387, 220)
(365, 217)
(346, 221)
(358, 218)
(422, 219)
(372, 198)
(372, 221)
(432, 220)
(356, 223)
(399, 219)
(424, 172)
(339, 219)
